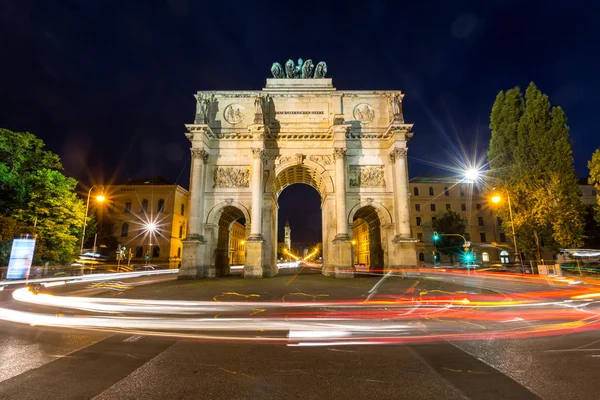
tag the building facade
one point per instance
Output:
(149, 217)
(237, 244)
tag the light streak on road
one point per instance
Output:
(530, 306)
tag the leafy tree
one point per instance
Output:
(34, 192)
(450, 221)
(594, 179)
(530, 156)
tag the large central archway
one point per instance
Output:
(307, 174)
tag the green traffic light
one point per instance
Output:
(468, 257)
(436, 237)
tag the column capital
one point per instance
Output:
(339, 153)
(259, 154)
(200, 153)
(398, 153)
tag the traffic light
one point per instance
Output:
(436, 236)
(468, 257)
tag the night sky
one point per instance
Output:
(108, 85)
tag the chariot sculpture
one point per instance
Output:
(304, 70)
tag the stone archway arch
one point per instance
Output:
(316, 176)
(214, 215)
(384, 214)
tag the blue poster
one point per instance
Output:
(20, 258)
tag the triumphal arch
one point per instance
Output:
(248, 146)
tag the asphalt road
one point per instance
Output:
(52, 363)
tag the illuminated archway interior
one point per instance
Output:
(231, 240)
(366, 234)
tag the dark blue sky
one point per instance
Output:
(108, 84)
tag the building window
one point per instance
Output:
(433, 219)
(475, 190)
(161, 206)
(480, 221)
(144, 205)
(468, 236)
(416, 191)
(485, 257)
(124, 229)
(446, 192)
(127, 207)
(430, 191)
(421, 257)
(139, 252)
(463, 207)
(478, 206)
(183, 210)
(156, 251)
(499, 220)
(482, 236)
(462, 191)
(178, 252)
(432, 206)
(418, 221)
(448, 207)
(502, 237)
(593, 192)
(420, 236)
(417, 207)
(504, 258)
(180, 231)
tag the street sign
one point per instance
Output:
(21, 256)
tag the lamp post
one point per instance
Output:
(150, 228)
(497, 199)
(100, 198)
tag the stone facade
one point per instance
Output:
(248, 146)
(136, 204)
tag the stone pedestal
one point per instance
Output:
(343, 264)
(191, 262)
(255, 257)
(403, 254)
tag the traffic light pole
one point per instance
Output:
(466, 246)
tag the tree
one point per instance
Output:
(594, 179)
(38, 197)
(450, 221)
(530, 156)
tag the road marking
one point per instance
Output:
(133, 338)
(228, 371)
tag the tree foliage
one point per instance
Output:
(530, 157)
(594, 179)
(38, 198)
(452, 222)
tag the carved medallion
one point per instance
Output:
(364, 113)
(234, 113)
(367, 176)
(231, 177)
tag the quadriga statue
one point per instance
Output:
(303, 70)
(277, 71)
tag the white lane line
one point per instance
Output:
(133, 338)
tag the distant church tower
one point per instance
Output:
(288, 235)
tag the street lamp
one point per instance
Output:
(100, 198)
(150, 228)
(497, 199)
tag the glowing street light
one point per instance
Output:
(99, 198)
(472, 174)
(497, 199)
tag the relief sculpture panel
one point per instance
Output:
(231, 177)
(367, 176)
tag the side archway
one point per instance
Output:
(367, 219)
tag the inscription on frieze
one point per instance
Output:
(366, 176)
(326, 160)
(231, 177)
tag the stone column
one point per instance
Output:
(402, 215)
(199, 161)
(255, 244)
(257, 195)
(340, 193)
(342, 247)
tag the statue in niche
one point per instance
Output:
(258, 105)
(277, 71)
(290, 69)
(321, 70)
(307, 69)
